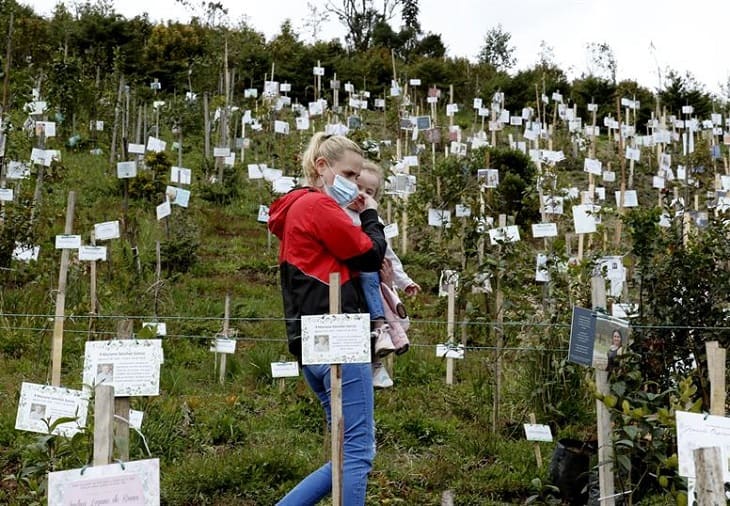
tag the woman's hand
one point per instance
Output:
(386, 272)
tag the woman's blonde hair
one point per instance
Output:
(377, 171)
(331, 147)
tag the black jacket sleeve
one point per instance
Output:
(371, 260)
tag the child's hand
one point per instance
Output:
(413, 289)
(363, 202)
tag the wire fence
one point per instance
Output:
(429, 324)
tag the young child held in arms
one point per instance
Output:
(388, 338)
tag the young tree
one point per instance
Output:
(546, 56)
(682, 90)
(316, 16)
(496, 50)
(601, 61)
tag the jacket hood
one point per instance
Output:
(280, 208)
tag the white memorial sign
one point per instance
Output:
(336, 338)
(106, 230)
(135, 483)
(537, 432)
(41, 404)
(132, 366)
(284, 369)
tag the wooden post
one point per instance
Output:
(103, 424)
(335, 94)
(158, 274)
(447, 498)
(121, 404)
(716, 357)
(206, 126)
(318, 82)
(499, 331)
(538, 453)
(338, 424)
(179, 146)
(116, 127)
(709, 486)
(226, 316)
(603, 416)
(404, 219)
(8, 59)
(38, 186)
(622, 158)
(57, 343)
(92, 289)
(451, 305)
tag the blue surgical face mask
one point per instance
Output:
(342, 190)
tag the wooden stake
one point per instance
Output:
(138, 134)
(499, 331)
(709, 487)
(206, 125)
(179, 146)
(8, 59)
(447, 498)
(57, 344)
(103, 424)
(538, 453)
(226, 317)
(115, 128)
(92, 289)
(225, 134)
(125, 330)
(318, 81)
(338, 424)
(37, 193)
(335, 94)
(622, 158)
(716, 357)
(450, 314)
(603, 416)
(404, 218)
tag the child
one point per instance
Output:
(370, 181)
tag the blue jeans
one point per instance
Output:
(370, 282)
(359, 439)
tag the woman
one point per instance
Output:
(615, 349)
(318, 238)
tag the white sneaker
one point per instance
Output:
(383, 343)
(381, 378)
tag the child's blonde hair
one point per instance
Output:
(331, 147)
(377, 171)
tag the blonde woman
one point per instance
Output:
(318, 238)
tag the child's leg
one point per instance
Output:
(371, 288)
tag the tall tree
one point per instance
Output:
(496, 50)
(360, 18)
(409, 15)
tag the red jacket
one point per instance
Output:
(318, 238)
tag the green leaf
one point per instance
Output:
(631, 431)
(623, 461)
